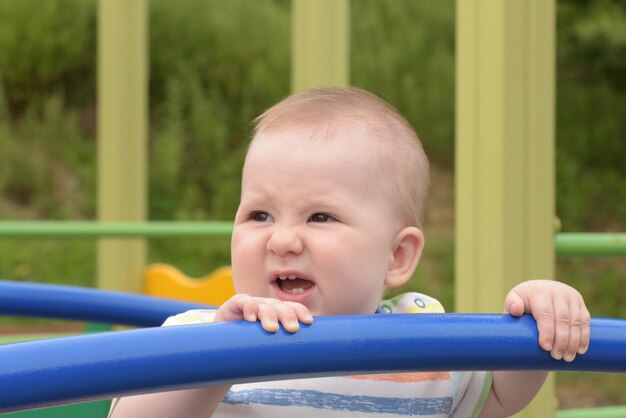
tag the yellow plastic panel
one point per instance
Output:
(163, 280)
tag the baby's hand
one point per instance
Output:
(269, 311)
(561, 315)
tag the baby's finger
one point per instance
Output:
(562, 323)
(236, 308)
(585, 331)
(302, 312)
(268, 317)
(543, 312)
(287, 316)
(574, 333)
(249, 307)
(514, 304)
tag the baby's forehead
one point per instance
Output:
(366, 147)
(352, 149)
(340, 133)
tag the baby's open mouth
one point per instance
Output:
(293, 284)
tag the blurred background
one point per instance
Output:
(214, 65)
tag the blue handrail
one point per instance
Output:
(85, 304)
(156, 359)
(119, 363)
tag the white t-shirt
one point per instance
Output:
(425, 395)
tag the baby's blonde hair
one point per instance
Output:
(399, 150)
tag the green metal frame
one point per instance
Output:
(590, 244)
(89, 229)
(602, 412)
(566, 244)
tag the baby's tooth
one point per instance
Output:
(292, 277)
(282, 277)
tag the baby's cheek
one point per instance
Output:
(243, 278)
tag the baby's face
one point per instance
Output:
(313, 225)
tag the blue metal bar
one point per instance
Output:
(84, 304)
(156, 359)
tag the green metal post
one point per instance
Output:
(122, 137)
(505, 152)
(320, 44)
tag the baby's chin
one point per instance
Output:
(320, 311)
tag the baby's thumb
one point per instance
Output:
(514, 304)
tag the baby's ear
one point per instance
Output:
(408, 248)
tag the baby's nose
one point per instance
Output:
(285, 241)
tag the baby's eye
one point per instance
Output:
(321, 217)
(260, 216)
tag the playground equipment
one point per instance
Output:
(163, 280)
(82, 300)
(536, 18)
(90, 305)
(117, 363)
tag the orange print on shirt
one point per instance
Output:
(404, 377)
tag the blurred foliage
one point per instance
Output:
(216, 64)
(211, 73)
(404, 52)
(47, 48)
(591, 127)
(591, 142)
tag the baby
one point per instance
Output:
(332, 193)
